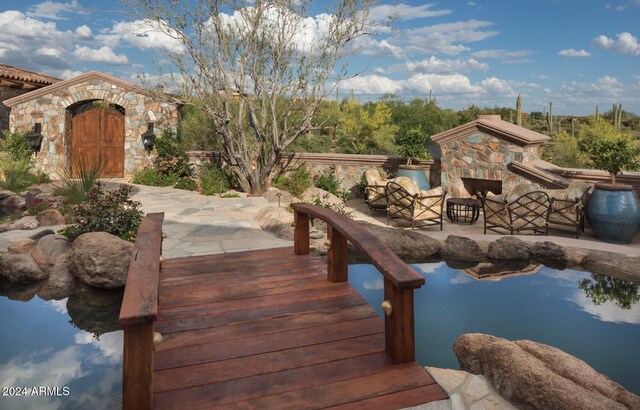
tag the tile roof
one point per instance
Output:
(20, 75)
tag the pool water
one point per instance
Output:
(595, 318)
(67, 346)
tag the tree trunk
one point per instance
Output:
(613, 178)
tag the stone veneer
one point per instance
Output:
(52, 110)
(7, 92)
(482, 156)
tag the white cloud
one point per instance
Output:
(437, 66)
(66, 74)
(604, 87)
(570, 52)
(427, 268)
(109, 344)
(53, 10)
(84, 32)
(447, 38)
(404, 11)
(371, 84)
(103, 55)
(460, 279)
(440, 84)
(367, 45)
(625, 44)
(493, 85)
(373, 284)
(607, 311)
(501, 54)
(142, 34)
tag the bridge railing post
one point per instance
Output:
(301, 233)
(399, 332)
(337, 255)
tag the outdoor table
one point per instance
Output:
(463, 210)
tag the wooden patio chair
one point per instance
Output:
(568, 205)
(417, 208)
(527, 212)
(374, 194)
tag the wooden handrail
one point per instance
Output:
(138, 313)
(399, 279)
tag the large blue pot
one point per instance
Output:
(613, 213)
(416, 174)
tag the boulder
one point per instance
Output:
(97, 297)
(549, 254)
(24, 223)
(60, 283)
(459, 248)
(92, 319)
(313, 193)
(49, 249)
(613, 264)
(100, 259)
(536, 376)
(42, 234)
(50, 217)
(21, 293)
(23, 246)
(508, 247)
(20, 268)
(285, 197)
(277, 221)
(6, 194)
(40, 193)
(12, 203)
(410, 246)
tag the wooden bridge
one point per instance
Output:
(275, 328)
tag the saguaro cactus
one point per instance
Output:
(519, 111)
(597, 114)
(550, 117)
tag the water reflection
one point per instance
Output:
(601, 289)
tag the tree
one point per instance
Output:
(259, 69)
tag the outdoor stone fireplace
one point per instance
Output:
(475, 156)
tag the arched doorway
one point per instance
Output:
(97, 138)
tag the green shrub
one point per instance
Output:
(17, 148)
(74, 188)
(295, 182)
(330, 183)
(16, 175)
(230, 195)
(213, 180)
(111, 211)
(187, 183)
(38, 205)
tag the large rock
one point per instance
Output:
(410, 246)
(6, 194)
(549, 254)
(14, 291)
(23, 246)
(459, 248)
(49, 249)
(536, 376)
(277, 221)
(312, 194)
(50, 217)
(100, 259)
(60, 283)
(20, 268)
(39, 194)
(613, 264)
(24, 223)
(507, 248)
(285, 198)
(12, 203)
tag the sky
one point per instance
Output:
(574, 53)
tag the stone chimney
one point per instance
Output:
(489, 117)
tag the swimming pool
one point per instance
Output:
(594, 318)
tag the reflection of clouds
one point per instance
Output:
(460, 279)
(59, 306)
(104, 395)
(607, 311)
(57, 370)
(427, 268)
(567, 277)
(373, 284)
(109, 344)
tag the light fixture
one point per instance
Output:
(148, 138)
(34, 138)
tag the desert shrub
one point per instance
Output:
(151, 177)
(213, 180)
(169, 167)
(38, 205)
(106, 211)
(330, 183)
(186, 183)
(16, 175)
(295, 181)
(74, 188)
(16, 147)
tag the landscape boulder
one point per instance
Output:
(23, 246)
(536, 376)
(24, 223)
(313, 193)
(100, 259)
(11, 203)
(60, 283)
(613, 264)
(410, 246)
(508, 248)
(459, 248)
(48, 249)
(274, 194)
(277, 221)
(50, 217)
(549, 254)
(20, 268)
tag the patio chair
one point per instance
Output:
(568, 205)
(526, 212)
(405, 202)
(374, 194)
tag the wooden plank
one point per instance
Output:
(265, 326)
(207, 321)
(165, 359)
(226, 394)
(341, 392)
(270, 362)
(137, 367)
(399, 400)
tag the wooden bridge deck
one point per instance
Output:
(266, 329)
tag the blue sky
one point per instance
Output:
(574, 53)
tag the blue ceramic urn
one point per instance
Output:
(613, 212)
(416, 174)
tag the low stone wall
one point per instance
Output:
(349, 168)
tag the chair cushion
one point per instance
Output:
(520, 190)
(372, 176)
(576, 189)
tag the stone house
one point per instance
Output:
(92, 119)
(478, 155)
(16, 81)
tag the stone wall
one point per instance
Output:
(349, 168)
(482, 156)
(6, 93)
(52, 110)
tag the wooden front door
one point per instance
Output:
(98, 140)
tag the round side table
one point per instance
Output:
(463, 210)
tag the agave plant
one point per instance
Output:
(77, 182)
